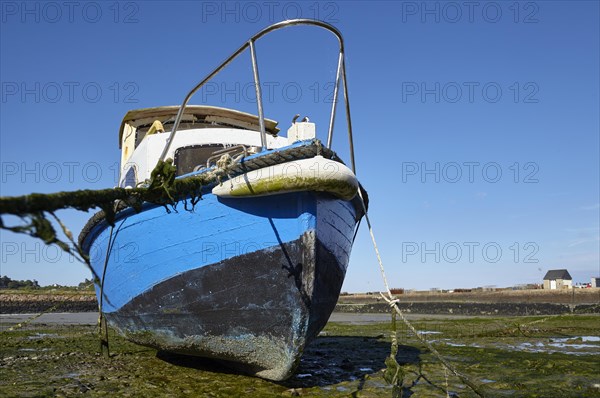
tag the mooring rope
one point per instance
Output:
(102, 327)
(223, 166)
(393, 302)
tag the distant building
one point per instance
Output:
(595, 282)
(558, 279)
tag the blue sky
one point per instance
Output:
(476, 125)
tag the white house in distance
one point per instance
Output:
(558, 279)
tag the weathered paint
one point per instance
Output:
(248, 281)
(257, 311)
(128, 143)
(155, 245)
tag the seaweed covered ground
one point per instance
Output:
(505, 356)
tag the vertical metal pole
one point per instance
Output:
(335, 97)
(348, 118)
(261, 116)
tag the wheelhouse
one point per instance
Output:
(204, 132)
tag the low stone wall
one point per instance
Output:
(474, 309)
(564, 296)
(36, 303)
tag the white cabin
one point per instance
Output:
(202, 131)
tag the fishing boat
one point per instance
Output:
(250, 273)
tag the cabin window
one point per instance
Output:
(130, 179)
(139, 135)
(187, 158)
(189, 122)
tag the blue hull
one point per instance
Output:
(249, 281)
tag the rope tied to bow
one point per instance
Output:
(393, 303)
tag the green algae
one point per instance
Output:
(345, 360)
(279, 184)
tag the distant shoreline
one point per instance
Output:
(480, 303)
(15, 302)
(501, 303)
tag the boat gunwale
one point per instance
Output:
(98, 220)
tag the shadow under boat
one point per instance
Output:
(328, 360)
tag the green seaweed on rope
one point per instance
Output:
(162, 189)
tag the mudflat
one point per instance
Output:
(520, 356)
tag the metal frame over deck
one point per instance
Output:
(341, 73)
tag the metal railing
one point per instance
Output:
(341, 73)
(217, 154)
